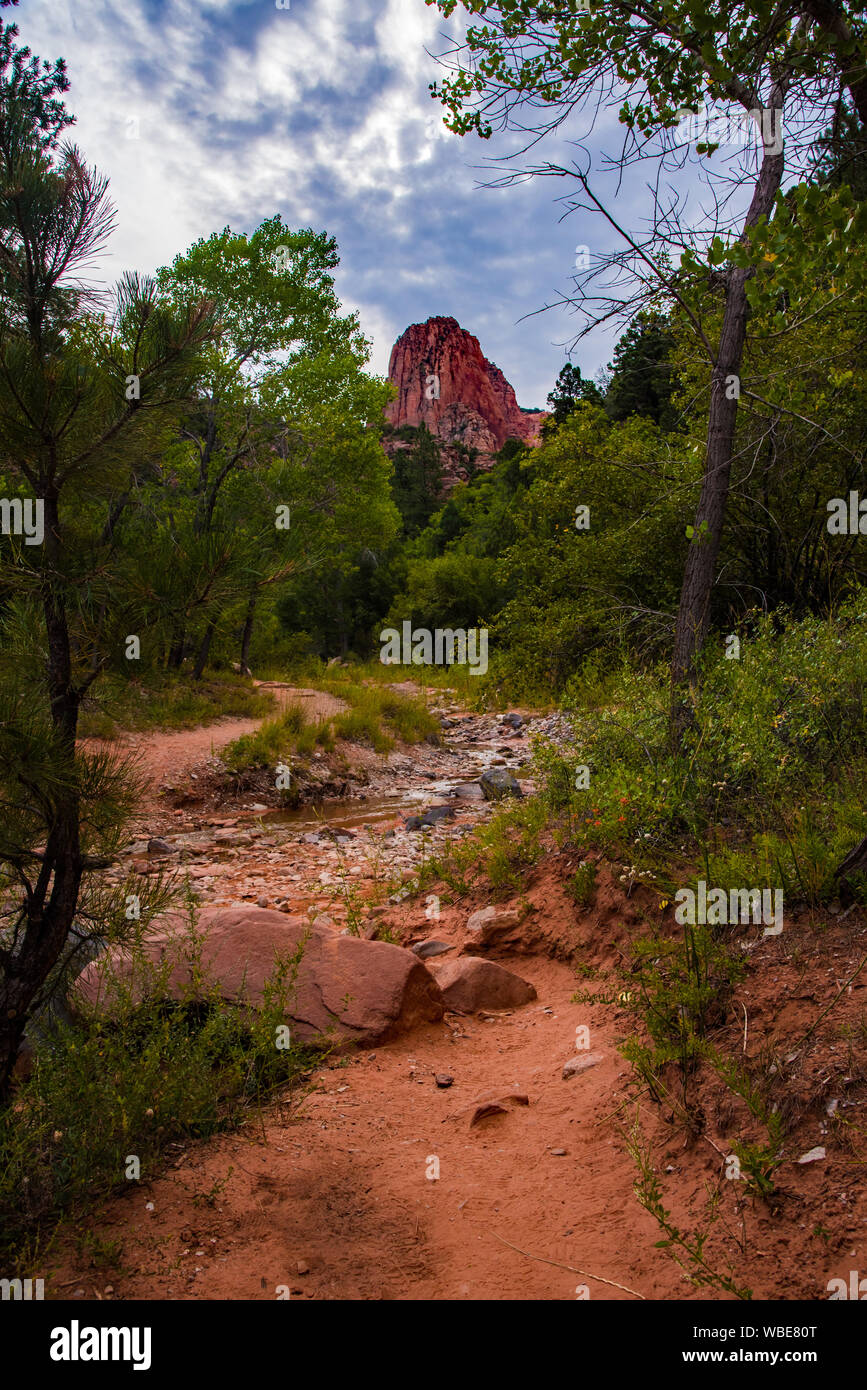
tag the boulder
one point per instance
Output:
(470, 984)
(160, 848)
(491, 923)
(355, 991)
(498, 782)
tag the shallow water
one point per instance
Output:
(339, 815)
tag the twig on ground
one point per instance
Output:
(612, 1284)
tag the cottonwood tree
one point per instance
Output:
(71, 439)
(274, 292)
(749, 251)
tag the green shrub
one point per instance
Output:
(106, 1088)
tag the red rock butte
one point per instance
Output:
(445, 382)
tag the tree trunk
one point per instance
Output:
(48, 911)
(694, 610)
(204, 649)
(176, 650)
(247, 634)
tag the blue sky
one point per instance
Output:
(207, 113)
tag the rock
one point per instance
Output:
(582, 1061)
(497, 782)
(262, 902)
(492, 922)
(813, 1156)
(443, 1080)
(425, 949)
(228, 838)
(492, 1103)
(302, 1267)
(514, 720)
(413, 823)
(361, 991)
(559, 1153)
(468, 791)
(158, 849)
(470, 984)
(473, 404)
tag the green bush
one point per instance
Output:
(104, 1088)
(773, 733)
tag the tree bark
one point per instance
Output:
(49, 908)
(698, 579)
(176, 650)
(247, 634)
(204, 649)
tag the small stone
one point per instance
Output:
(813, 1156)
(559, 1153)
(302, 1267)
(443, 1080)
(262, 902)
(425, 949)
(582, 1062)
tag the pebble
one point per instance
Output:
(443, 1080)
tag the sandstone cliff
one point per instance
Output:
(444, 381)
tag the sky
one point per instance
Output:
(208, 113)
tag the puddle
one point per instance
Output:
(338, 815)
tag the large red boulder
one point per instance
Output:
(347, 988)
(469, 984)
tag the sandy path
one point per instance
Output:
(164, 756)
(342, 1189)
(336, 1198)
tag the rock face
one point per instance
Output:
(444, 381)
(358, 991)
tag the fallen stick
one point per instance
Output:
(572, 1268)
